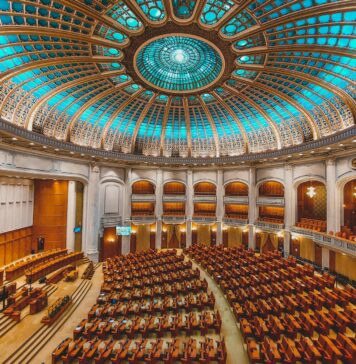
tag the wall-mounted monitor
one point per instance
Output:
(123, 230)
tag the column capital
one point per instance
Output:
(330, 162)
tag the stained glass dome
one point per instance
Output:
(179, 78)
(179, 63)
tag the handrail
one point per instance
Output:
(336, 242)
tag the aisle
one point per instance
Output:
(236, 353)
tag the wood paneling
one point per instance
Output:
(318, 254)
(143, 187)
(234, 236)
(350, 205)
(236, 189)
(307, 250)
(332, 261)
(205, 188)
(15, 244)
(345, 265)
(315, 207)
(111, 243)
(50, 213)
(271, 189)
(174, 188)
(271, 211)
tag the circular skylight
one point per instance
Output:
(179, 63)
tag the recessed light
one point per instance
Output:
(312, 152)
(32, 143)
(82, 154)
(44, 147)
(341, 145)
(275, 158)
(289, 156)
(354, 141)
(56, 150)
(300, 153)
(93, 156)
(242, 162)
(71, 152)
(14, 138)
(328, 148)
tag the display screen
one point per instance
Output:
(123, 230)
(77, 229)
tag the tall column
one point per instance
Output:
(325, 257)
(159, 234)
(71, 209)
(252, 208)
(92, 214)
(330, 193)
(159, 207)
(189, 207)
(219, 206)
(288, 207)
(125, 240)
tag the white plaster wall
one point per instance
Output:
(303, 172)
(236, 175)
(174, 176)
(150, 175)
(16, 203)
(273, 173)
(206, 176)
(16, 163)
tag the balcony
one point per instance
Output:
(174, 198)
(239, 200)
(270, 201)
(334, 242)
(269, 224)
(138, 218)
(204, 198)
(205, 219)
(143, 198)
(235, 221)
(173, 218)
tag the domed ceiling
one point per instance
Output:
(179, 78)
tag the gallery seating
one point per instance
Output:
(286, 312)
(149, 307)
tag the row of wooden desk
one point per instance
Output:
(17, 269)
(52, 265)
(278, 302)
(172, 299)
(205, 350)
(169, 323)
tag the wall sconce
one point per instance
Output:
(280, 234)
(182, 230)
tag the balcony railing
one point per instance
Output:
(204, 198)
(240, 200)
(204, 218)
(270, 201)
(274, 226)
(139, 197)
(334, 242)
(173, 218)
(235, 221)
(143, 219)
(174, 198)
